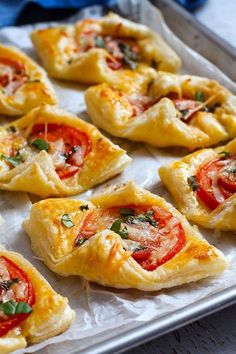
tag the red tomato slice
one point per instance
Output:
(114, 64)
(214, 186)
(6, 324)
(76, 145)
(141, 103)
(185, 104)
(14, 75)
(156, 244)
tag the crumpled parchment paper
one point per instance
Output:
(100, 311)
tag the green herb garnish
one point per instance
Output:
(184, 112)
(193, 183)
(11, 129)
(99, 42)
(200, 96)
(6, 284)
(84, 207)
(66, 221)
(116, 227)
(14, 161)
(69, 61)
(130, 57)
(224, 154)
(127, 211)
(80, 241)
(148, 217)
(231, 170)
(40, 144)
(11, 308)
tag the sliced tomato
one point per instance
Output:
(141, 103)
(158, 239)
(13, 75)
(28, 296)
(76, 145)
(214, 185)
(113, 63)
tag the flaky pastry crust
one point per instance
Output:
(175, 176)
(58, 50)
(35, 91)
(102, 258)
(51, 313)
(38, 175)
(112, 109)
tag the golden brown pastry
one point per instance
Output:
(102, 50)
(30, 310)
(170, 110)
(23, 84)
(124, 238)
(52, 152)
(203, 185)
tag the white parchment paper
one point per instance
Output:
(100, 310)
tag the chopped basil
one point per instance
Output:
(76, 148)
(193, 183)
(11, 308)
(99, 42)
(200, 96)
(127, 211)
(40, 144)
(148, 217)
(231, 170)
(130, 63)
(84, 207)
(139, 248)
(66, 221)
(69, 61)
(224, 154)
(11, 129)
(6, 284)
(183, 112)
(14, 161)
(80, 241)
(116, 227)
(130, 57)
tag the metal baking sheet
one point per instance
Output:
(122, 338)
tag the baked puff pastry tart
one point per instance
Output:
(30, 310)
(103, 50)
(203, 185)
(172, 110)
(23, 84)
(124, 238)
(51, 152)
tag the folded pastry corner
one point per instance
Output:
(24, 85)
(203, 185)
(102, 50)
(126, 237)
(50, 152)
(165, 110)
(30, 310)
